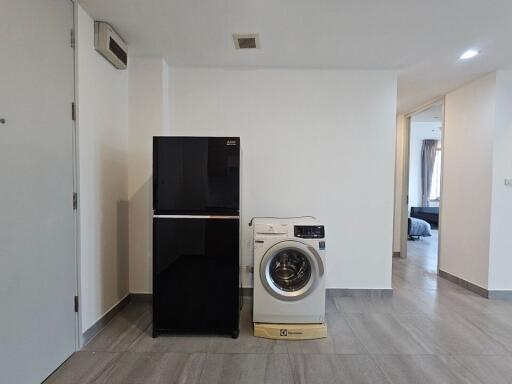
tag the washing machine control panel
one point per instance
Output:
(309, 231)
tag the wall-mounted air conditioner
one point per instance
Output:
(110, 45)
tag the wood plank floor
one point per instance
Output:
(429, 331)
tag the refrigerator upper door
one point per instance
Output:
(196, 175)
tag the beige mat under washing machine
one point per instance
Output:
(290, 331)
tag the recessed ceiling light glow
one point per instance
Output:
(469, 54)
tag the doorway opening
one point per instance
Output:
(424, 187)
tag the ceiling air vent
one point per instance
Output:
(246, 40)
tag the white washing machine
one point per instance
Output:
(289, 271)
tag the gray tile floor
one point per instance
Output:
(429, 331)
(423, 252)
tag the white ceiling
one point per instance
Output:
(420, 39)
(430, 115)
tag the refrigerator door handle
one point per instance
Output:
(208, 217)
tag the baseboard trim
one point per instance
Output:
(142, 297)
(499, 295)
(465, 284)
(96, 328)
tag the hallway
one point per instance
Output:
(423, 252)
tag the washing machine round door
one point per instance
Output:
(290, 270)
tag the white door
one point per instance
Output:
(37, 257)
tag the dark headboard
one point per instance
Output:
(429, 214)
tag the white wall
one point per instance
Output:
(314, 143)
(102, 112)
(501, 240)
(419, 131)
(399, 176)
(148, 116)
(467, 180)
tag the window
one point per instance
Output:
(435, 190)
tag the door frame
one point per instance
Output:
(76, 179)
(405, 176)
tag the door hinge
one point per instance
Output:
(72, 39)
(75, 201)
(76, 304)
(73, 111)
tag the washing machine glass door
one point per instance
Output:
(290, 270)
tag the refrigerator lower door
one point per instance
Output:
(195, 274)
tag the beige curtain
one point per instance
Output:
(428, 157)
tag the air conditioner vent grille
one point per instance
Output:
(109, 44)
(246, 40)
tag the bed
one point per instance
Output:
(418, 228)
(429, 214)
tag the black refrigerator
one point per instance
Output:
(196, 208)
